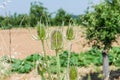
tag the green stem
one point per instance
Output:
(68, 63)
(89, 77)
(58, 65)
(42, 77)
(10, 44)
(47, 65)
(42, 41)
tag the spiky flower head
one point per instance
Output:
(56, 40)
(70, 33)
(41, 31)
(41, 68)
(73, 73)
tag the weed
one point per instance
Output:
(57, 44)
(5, 68)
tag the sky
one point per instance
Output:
(75, 7)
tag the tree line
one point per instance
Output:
(37, 11)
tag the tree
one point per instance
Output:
(61, 16)
(36, 11)
(1, 19)
(103, 28)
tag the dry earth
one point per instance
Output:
(22, 43)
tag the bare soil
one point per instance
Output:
(22, 43)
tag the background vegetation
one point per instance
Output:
(36, 11)
(84, 59)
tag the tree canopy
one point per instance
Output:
(61, 16)
(104, 23)
(37, 10)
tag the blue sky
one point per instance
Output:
(72, 6)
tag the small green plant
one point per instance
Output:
(41, 31)
(25, 65)
(70, 36)
(57, 45)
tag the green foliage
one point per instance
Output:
(30, 20)
(21, 20)
(61, 16)
(104, 28)
(5, 23)
(115, 56)
(33, 58)
(104, 23)
(84, 59)
(92, 56)
(25, 65)
(21, 66)
(36, 11)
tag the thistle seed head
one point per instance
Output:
(41, 68)
(56, 40)
(73, 73)
(70, 33)
(41, 32)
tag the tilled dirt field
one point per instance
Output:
(22, 43)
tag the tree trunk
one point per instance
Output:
(105, 65)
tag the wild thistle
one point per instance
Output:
(57, 44)
(56, 40)
(41, 32)
(70, 33)
(73, 73)
(42, 35)
(69, 37)
(41, 69)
